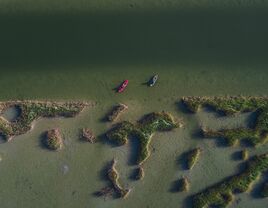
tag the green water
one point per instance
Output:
(79, 50)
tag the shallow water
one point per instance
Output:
(63, 59)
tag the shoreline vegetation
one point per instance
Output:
(116, 187)
(222, 194)
(33, 110)
(116, 112)
(143, 130)
(54, 139)
(231, 106)
(192, 157)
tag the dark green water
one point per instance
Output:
(82, 50)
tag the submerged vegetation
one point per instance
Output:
(230, 106)
(53, 139)
(31, 111)
(115, 113)
(116, 187)
(264, 190)
(142, 130)
(222, 193)
(192, 157)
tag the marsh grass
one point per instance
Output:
(31, 111)
(256, 135)
(222, 193)
(143, 130)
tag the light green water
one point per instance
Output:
(82, 50)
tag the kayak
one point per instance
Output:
(153, 80)
(122, 86)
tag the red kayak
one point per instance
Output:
(122, 86)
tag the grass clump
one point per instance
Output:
(244, 154)
(192, 157)
(53, 139)
(230, 106)
(233, 136)
(139, 173)
(87, 135)
(31, 111)
(115, 113)
(222, 194)
(142, 130)
(183, 184)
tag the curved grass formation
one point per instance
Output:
(115, 187)
(31, 111)
(222, 194)
(230, 106)
(143, 130)
(192, 157)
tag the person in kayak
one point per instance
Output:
(122, 86)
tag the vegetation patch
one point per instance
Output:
(116, 112)
(87, 135)
(142, 130)
(139, 173)
(183, 184)
(54, 139)
(222, 194)
(230, 106)
(192, 157)
(31, 111)
(244, 154)
(115, 187)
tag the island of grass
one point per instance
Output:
(222, 194)
(31, 111)
(183, 184)
(54, 139)
(192, 157)
(115, 113)
(142, 130)
(87, 135)
(244, 154)
(230, 106)
(115, 187)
